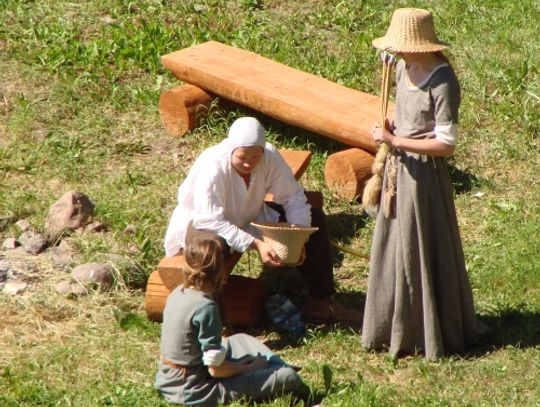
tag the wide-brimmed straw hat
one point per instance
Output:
(411, 30)
(286, 239)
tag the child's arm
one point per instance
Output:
(424, 146)
(228, 368)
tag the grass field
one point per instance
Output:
(79, 88)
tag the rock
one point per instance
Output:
(78, 289)
(23, 225)
(89, 273)
(95, 227)
(68, 288)
(130, 230)
(10, 243)
(33, 242)
(62, 255)
(63, 287)
(15, 287)
(72, 211)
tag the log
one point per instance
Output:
(241, 300)
(182, 108)
(290, 95)
(347, 171)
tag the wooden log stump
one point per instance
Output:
(182, 108)
(347, 171)
(241, 300)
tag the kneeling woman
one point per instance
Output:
(199, 367)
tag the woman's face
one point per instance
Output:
(245, 159)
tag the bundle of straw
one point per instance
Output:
(372, 191)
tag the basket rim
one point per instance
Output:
(290, 227)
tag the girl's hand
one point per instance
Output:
(257, 363)
(381, 135)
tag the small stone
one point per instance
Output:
(33, 242)
(108, 20)
(94, 273)
(130, 230)
(23, 225)
(78, 289)
(10, 243)
(62, 255)
(67, 288)
(72, 211)
(63, 287)
(95, 227)
(15, 287)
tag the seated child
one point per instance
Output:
(199, 367)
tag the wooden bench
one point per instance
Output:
(284, 93)
(279, 91)
(167, 276)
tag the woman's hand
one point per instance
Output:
(269, 257)
(302, 257)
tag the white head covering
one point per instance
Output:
(246, 132)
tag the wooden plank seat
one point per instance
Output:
(284, 93)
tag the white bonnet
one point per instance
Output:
(246, 132)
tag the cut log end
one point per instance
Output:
(182, 108)
(347, 171)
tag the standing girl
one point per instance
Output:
(199, 367)
(419, 297)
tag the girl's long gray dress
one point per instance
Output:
(192, 325)
(419, 296)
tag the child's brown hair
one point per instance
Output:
(203, 260)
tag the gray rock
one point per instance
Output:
(130, 230)
(32, 242)
(63, 287)
(10, 243)
(89, 273)
(72, 211)
(62, 255)
(95, 227)
(68, 288)
(15, 287)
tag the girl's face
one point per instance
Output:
(245, 159)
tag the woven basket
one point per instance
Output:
(286, 239)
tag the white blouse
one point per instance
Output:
(216, 198)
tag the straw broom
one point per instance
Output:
(372, 191)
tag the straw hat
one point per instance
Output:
(286, 239)
(411, 30)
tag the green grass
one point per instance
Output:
(79, 89)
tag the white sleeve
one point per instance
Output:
(447, 133)
(214, 357)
